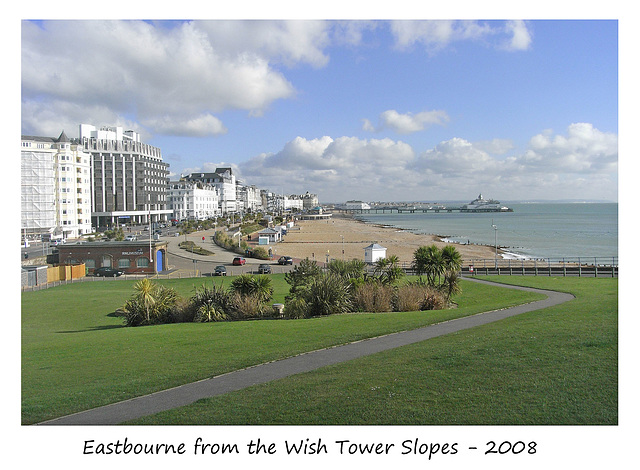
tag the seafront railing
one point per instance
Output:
(578, 266)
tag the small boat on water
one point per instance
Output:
(481, 204)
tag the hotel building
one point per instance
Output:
(129, 180)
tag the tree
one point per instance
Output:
(388, 270)
(301, 276)
(428, 260)
(450, 285)
(451, 259)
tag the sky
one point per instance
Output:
(375, 110)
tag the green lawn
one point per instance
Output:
(553, 366)
(76, 354)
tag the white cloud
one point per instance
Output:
(584, 149)
(198, 126)
(407, 123)
(342, 165)
(288, 42)
(583, 162)
(520, 36)
(494, 146)
(434, 35)
(156, 72)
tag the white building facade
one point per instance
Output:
(193, 200)
(129, 178)
(55, 187)
(248, 198)
(225, 181)
(309, 201)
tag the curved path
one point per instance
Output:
(186, 394)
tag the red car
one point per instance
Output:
(239, 261)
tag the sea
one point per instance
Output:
(532, 231)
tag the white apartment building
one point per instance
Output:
(225, 181)
(55, 187)
(309, 201)
(293, 203)
(248, 198)
(193, 200)
(279, 203)
(129, 178)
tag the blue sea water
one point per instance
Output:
(532, 230)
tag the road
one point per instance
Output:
(185, 261)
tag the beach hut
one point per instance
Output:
(274, 236)
(374, 252)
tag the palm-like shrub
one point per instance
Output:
(262, 288)
(243, 284)
(209, 313)
(388, 269)
(258, 286)
(328, 294)
(353, 269)
(151, 304)
(211, 304)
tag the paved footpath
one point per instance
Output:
(117, 413)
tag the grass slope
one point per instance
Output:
(553, 366)
(77, 355)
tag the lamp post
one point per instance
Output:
(495, 241)
(150, 232)
(342, 236)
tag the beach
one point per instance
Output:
(315, 239)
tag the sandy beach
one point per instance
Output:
(314, 239)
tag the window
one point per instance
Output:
(142, 262)
(90, 263)
(124, 262)
(106, 261)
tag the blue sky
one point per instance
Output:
(371, 110)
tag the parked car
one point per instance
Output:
(108, 272)
(220, 271)
(130, 238)
(285, 260)
(264, 269)
(239, 261)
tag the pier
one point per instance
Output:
(414, 209)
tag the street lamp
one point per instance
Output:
(495, 241)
